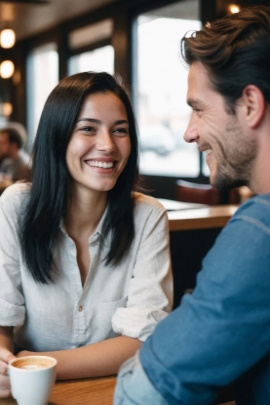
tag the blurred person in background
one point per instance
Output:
(14, 161)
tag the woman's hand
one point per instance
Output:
(5, 357)
(25, 353)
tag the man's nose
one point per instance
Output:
(191, 133)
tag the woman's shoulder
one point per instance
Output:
(16, 194)
(147, 202)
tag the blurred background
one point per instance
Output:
(42, 41)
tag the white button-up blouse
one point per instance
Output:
(127, 299)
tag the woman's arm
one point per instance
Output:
(6, 338)
(6, 347)
(95, 360)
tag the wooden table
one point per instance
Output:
(173, 205)
(94, 391)
(212, 216)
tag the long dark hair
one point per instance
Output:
(235, 50)
(51, 182)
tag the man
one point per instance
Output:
(221, 333)
(14, 162)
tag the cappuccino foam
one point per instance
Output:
(32, 363)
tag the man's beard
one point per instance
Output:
(236, 162)
(223, 182)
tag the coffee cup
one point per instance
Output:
(32, 379)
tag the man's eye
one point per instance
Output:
(197, 111)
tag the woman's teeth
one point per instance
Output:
(103, 165)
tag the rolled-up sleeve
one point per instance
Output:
(130, 377)
(150, 290)
(12, 310)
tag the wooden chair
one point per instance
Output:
(239, 195)
(197, 193)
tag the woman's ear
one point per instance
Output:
(255, 105)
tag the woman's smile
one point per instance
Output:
(100, 145)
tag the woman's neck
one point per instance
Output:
(84, 213)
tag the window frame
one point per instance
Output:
(156, 180)
(123, 14)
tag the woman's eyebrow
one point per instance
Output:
(121, 122)
(96, 121)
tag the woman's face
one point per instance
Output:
(100, 145)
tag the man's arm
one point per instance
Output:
(218, 332)
(130, 377)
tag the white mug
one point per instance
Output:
(32, 379)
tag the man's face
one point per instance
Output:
(4, 145)
(229, 153)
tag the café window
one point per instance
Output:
(100, 59)
(91, 49)
(160, 94)
(42, 77)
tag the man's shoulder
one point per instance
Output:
(256, 204)
(255, 209)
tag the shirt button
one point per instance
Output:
(80, 309)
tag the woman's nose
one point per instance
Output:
(105, 141)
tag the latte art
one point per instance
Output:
(32, 363)
(31, 366)
(32, 379)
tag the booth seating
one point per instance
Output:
(196, 193)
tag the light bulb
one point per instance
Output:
(7, 38)
(6, 69)
(234, 8)
(7, 109)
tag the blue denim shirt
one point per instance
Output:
(220, 333)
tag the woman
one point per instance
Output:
(84, 260)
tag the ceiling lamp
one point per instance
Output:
(7, 109)
(234, 8)
(6, 69)
(7, 38)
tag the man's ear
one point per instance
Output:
(255, 105)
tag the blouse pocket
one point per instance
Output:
(102, 319)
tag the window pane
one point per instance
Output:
(100, 59)
(205, 168)
(42, 77)
(161, 107)
(91, 34)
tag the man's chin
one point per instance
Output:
(226, 184)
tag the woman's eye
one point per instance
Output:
(121, 131)
(88, 129)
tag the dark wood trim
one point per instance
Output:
(123, 13)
